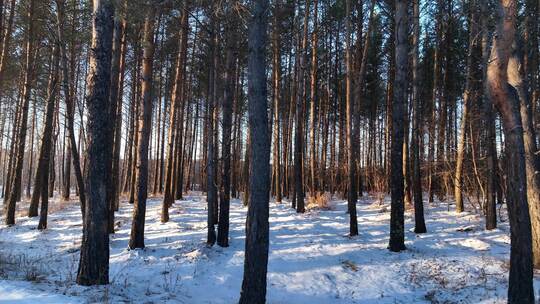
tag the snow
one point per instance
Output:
(312, 260)
(25, 292)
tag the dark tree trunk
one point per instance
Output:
(31, 151)
(70, 105)
(532, 164)
(117, 77)
(467, 95)
(397, 229)
(6, 39)
(352, 195)
(299, 131)
(245, 170)
(432, 178)
(257, 227)
(16, 176)
(66, 183)
(41, 182)
(225, 189)
(276, 86)
(183, 96)
(489, 121)
(420, 225)
(211, 145)
(312, 101)
(94, 262)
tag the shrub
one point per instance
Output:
(321, 201)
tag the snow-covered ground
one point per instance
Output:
(312, 260)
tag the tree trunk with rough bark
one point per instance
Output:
(257, 226)
(489, 120)
(15, 180)
(312, 101)
(211, 187)
(145, 126)
(520, 289)
(532, 163)
(416, 175)
(397, 229)
(117, 71)
(351, 165)
(94, 261)
(41, 181)
(70, 104)
(227, 103)
(467, 96)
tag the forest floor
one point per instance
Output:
(312, 260)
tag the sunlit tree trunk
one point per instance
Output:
(520, 288)
(467, 95)
(16, 176)
(145, 126)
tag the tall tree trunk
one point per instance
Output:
(397, 229)
(181, 122)
(390, 92)
(211, 144)
(70, 105)
(41, 181)
(245, 169)
(160, 129)
(276, 85)
(532, 163)
(168, 197)
(489, 120)
(117, 82)
(66, 183)
(136, 239)
(42, 172)
(31, 151)
(225, 187)
(94, 261)
(133, 168)
(352, 195)
(14, 191)
(257, 226)
(458, 180)
(299, 131)
(52, 169)
(432, 174)
(6, 41)
(520, 289)
(531, 60)
(416, 176)
(313, 91)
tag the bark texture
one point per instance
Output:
(397, 229)
(505, 99)
(145, 126)
(94, 261)
(257, 226)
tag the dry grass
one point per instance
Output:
(347, 264)
(321, 201)
(21, 266)
(56, 204)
